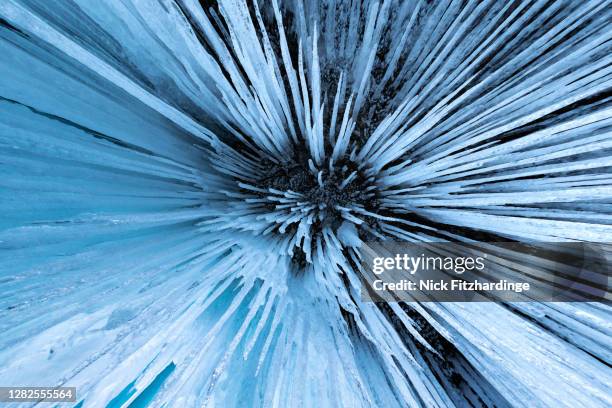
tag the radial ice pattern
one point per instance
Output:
(185, 188)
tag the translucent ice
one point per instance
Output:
(184, 190)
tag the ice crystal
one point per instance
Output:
(186, 188)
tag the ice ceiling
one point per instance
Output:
(185, 189)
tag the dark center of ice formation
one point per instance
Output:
(304, 201)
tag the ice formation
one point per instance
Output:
(185, 187)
